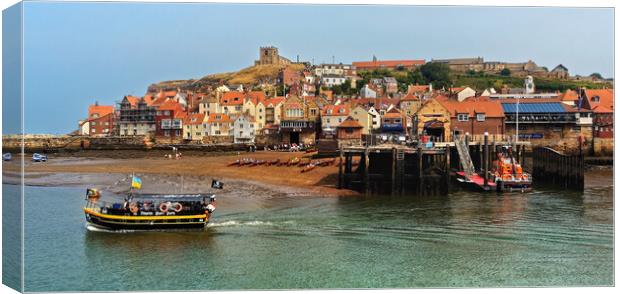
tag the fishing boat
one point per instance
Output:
(7, 156)
(36, 157)
(303, 162)
(236, 162)
(148, 211)
(294, 161)
(273, 162)
(308, 167)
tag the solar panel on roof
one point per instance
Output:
(534, 107)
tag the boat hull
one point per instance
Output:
(116, 222)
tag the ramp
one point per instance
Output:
(464, 157)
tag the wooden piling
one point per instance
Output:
(366, 171)
(485, 161)
(393, 170)
(340, 165)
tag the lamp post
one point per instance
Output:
(517, 121)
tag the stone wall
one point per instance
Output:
(217, 139)
(46, 143)
(603, 146)
(268, 139)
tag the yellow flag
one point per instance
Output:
(136, 183)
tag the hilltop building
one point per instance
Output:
(269, 55)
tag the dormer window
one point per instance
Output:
(596, 98)
(462, 117)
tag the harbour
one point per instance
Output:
(276, 240)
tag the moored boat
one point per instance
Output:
(36, 157)
(7, 156)
(508, 174)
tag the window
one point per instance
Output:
(596, 98)
(462, 117)
(166, 112)
(93, 131)
(94, 123)
(480, 117)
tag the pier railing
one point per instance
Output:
(551, 167)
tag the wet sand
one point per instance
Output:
(192, 173)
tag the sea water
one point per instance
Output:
(466, 239)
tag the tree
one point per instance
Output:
(597, 76)
(436, 73)
(505, 72)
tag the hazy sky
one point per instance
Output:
(79, 53)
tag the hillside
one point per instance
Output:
(252, 75)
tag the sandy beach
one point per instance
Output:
(192, 173)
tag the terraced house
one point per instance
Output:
(136, 117)
(195, 127)
(300, 121)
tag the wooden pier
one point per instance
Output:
(395, 169)
(558, 169)
(398, 170)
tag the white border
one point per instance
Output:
(503, 3)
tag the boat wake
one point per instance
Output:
(234, 223)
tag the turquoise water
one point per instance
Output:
(546, 238)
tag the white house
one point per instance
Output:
(333, 116)
(463, 93)
(244, 129)
(332, 80)
(376, 118)
(368, 92)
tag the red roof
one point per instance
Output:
(410, 97)
(387, 63)
(133, 100)
(256, 96)
(194, 119)
(605, 101)
(491, 108)
(273, 101)
(100, 110)
(148, 98)
(418, 88)
(171, 105)
(219, 117)
(232, 98)
(570, 95)
(336, 110)
(350, 123)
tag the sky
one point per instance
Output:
(79, 53)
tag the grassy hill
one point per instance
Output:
(252, 75)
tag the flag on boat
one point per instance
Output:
(136, 182)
